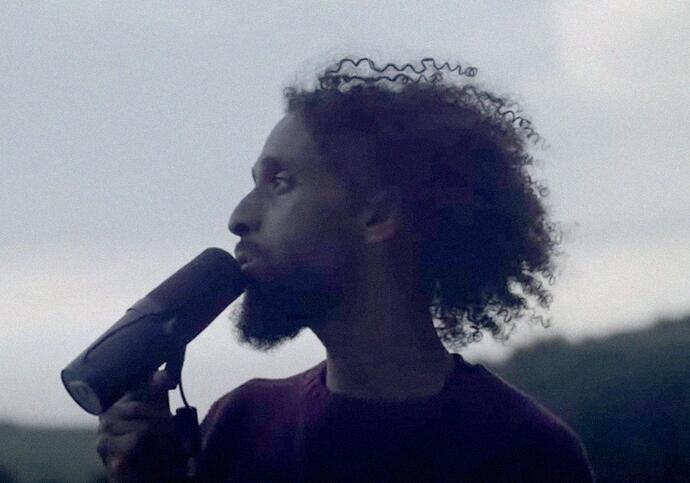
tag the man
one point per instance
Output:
(379, 207)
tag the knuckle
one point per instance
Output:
(117, 465)
(133, 408)
(140, 440)
(104, 425)
(103, 445)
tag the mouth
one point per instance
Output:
(243, 250)
(245, 260)
(241, 257)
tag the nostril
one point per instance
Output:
(239, 229)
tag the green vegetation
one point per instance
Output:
(48, 455)
(627, 396)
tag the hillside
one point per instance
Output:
(628, 396)
(48, 455)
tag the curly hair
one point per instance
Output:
(458, 156)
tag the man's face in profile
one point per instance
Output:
(297, 235)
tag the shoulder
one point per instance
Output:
(221, 431)
(489, 393)
(227, 412)
(527, 435)
(257, 398)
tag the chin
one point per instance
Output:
(267, 318)
(276, 310)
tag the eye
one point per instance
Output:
(275, 180)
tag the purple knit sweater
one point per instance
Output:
(478, 428)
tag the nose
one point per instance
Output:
(244, 217)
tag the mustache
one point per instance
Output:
(248, 247)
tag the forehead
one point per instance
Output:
(291, 146)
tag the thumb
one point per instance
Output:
(154, 389)
(161, 381)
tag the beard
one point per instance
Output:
(273, 312)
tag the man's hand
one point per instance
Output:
(137, 437)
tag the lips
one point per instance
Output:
(242, 257)
(243, 260)
(243, 253)
(247, 264)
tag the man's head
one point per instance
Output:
(428, 179)
(303, 233)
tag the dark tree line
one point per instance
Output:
(627, 396)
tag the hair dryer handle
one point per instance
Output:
(173, 367)
(187, 425)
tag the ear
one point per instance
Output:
(382, 216)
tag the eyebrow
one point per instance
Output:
(272, 161)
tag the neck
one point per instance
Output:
(394, 380)
(381, 346)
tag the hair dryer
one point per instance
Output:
(155, 330)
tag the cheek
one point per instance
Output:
(316, 234)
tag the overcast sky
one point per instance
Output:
(128, 130)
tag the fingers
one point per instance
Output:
(154, 389)
(120, 447)
(119, 456)
(135, 410)
(139, 424)
(117, 426)
(122, 444)
(161, 379)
